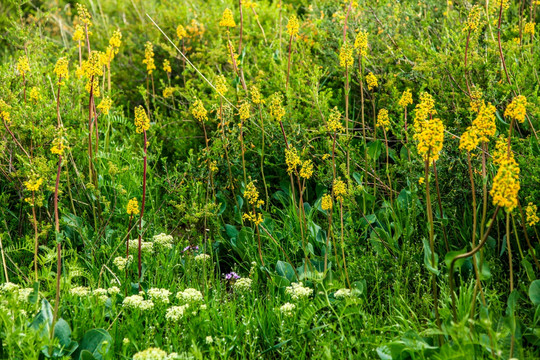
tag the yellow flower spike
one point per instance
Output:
(168, 92)
(23, 66)
(149, 57)
(421, 180)
(133, 207)
(58, 145)
(485, 122)
(425, 109)
(361, 43)
(506, 185)
(277, 111)
(116, 40)
(346, 55)
(256, 96)
(473, 19)
(84, 15)
(105, 105)
(252, 195)
(181, 32)
(517, 109)
(292, 160)
(61, 69)
(429, 134)
(78, 34)
(293, 26)
(371, 81)
(142, 122)
(306, 171)
(469, 139)
(221, 85)
(198, 111)
(326, 202)
(244, 111)
(529, 28)
(476, 99)
(383, 120)
(501, 151)
(334, 121)
(406, 99)
(167, 66)
(227, 20)
(4, 111)
(340, 189)
(33, 184)
(34, 94)
(532, 217)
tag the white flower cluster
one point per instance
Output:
(23, 294)
(175, 313)
(344, 294)
(202, 257)
(80, 291)
(164, 240)
(287, 309)
(242, 285)
(121, 262)
(8, 287)
(151, 354)
(297, 291)
(100, 295)
(190, 295)
(147, 247)
(159, 295)
(137, 302)
(113, 290)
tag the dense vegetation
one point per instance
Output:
(269, 179)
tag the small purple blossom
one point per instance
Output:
(191, 248)
(232, 276)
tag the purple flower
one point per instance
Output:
(232, 276)
(190, 248)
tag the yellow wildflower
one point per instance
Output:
(256, 96)
(105, 105)
(181, 32)
(221, 85)
(92, 69)
(501, 151)
(244, 111)
(133, 207)
(425, 109)
(252, 195)
(255, 218)
(361, 43)
(307, 169)
(33, 184)
(293, 26)
(78, 34)
(506, 185)
(198, 111)
(61, 69)
(383, 119)
(474, 18)
(84, 15)
(532, 218)
(346, 55)
(227, 20)
(326, 202)
(4, 111)
(334, 121)
(476, 99)
(116, 40)
(517, 109)
(529, 28)
(292, 159)
(340, 189)
(34, 94)
(421, 180)
(167, 66)
(371, 81)
(58, 145)
(149, 57)
(22, 66)
(429, 134)
(406, 98)
(277, 111)
(485, 122)
(168, 92)
(142, 122)
(469, 139)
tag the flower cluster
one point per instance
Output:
(346, 55)
(277, 111)
(242, 285)
(78, 34)
(334, 121)
(163, 240)
(287, 309)
(473, 20)
(190, 296)
(151, 354)
(256, 96)
(22, 66)
(292, 159)
(142, 122)
(167, 66)
(361, 43)
(371, 81)
(33, 184)
(506, 184)
(58, 146)
(298, 292)
(181, 32)
(61, 69)
(149, 57)
(100, 295)
(326, 202)
(80, 291)
(529, 28)
(84, 15)
(252, 195)
(469, 139)
(425, 109)
(244, 111)
(202, 257)
(133, 207)
(137, 302)
(176, 313)
(293, 26)
(383, 120)
(517, 109)
(339, 189)
(306, 171)
(147, 247)
(430, 137)
(92, 69)
(345, 294)
(122, 262)
(254, 217)
(105, 105)
(406, 98)
(484, 123)
(227, 19)
(532, 217)
(501, 151)
(198, 111)
(221, 85)
(159, 296)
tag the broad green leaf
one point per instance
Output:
(432, 267)
(534, 292)
(286, 270)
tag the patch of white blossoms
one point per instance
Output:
(113, 290)
(242, 285)
(80, 291)
(345, 294)
(121, 262)
(159, 295)
(147, 247)
(287, 309)
(100, 295)
(154, 354)
(163, 240)
(202, 257)
(137, 302)
(176, 313)
(190, 295)
(297, 291)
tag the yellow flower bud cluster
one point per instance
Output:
(371, 81)
(34, 94)
(306, 172)
(476, 99)
(292, 159)
(181, 32)
(61, 69)
(33, 184)
(277, 111)
(114, 44)
(529, 28)
(168, 92)
(4, 111)
(133, 207)
(78, 34)
(293, 26)
(167, 66)
(142, 122)
(326, 202)
(252, 195)
(92, 69)
(244, 111)
(501, 151)
(406, 98)
(469, 139)
(429, 131)
(84, 15)
(227, 20)
(23, 66)
(105, 105)
(256, 96)
(361, 43)
(506, 184)
(485, 122)
(198, 111)
(255, 218)
(473, 21)
(346, 55)
(517, 109)
(383, 120)
(221, 85)
(149, 57)
(532, 217)
(58, 146)
(340, 190)
(334, 121)
(425, 109)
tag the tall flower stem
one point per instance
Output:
(362, 112)
(224, 139)
(347, 116)
(262, 157)
(501, 55)
(243, 149)
(143, 202)
(343, 243)
(288, 63)
(241, 26)
(465, 60)
(511, 270)
(127, 244)
(329, 216)
(387, 171)
(287, 147)
(36, 241)
(440, 206)
(58, 246)
(432, 245)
